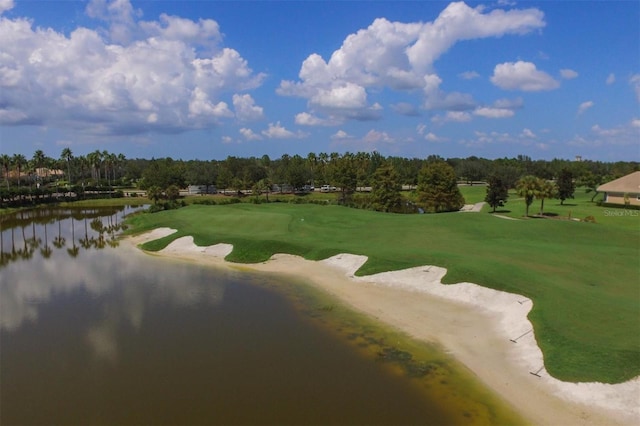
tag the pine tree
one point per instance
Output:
(497, 192)
(386, 188)
(438, 188)
(566, 186)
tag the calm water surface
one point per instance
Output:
(92, 333)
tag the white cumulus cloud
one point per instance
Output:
(634, 81)
(6, 5)
(585, 106)
(432, 137)
(405, 108)
(522, 76)
(469, 75)
(277, 131)
(306, 119)
(568, 74)
(505, 103)
(133, 77)
(400, 56)
(249, 134)
(201, 105)
(341, 134)
(527, 133)
(627, 134)
(489, 112)
(611, 78)
(347, 96)
(454, 116)
(375, 136)
(246, 108)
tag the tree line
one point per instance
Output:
(43, 177)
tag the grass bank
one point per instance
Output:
(582, 277)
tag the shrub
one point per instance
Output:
(206, 202)
(231, 200)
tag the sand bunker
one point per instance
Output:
(485, 329)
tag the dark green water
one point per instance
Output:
(112, 336)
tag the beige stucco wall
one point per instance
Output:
(617, 198)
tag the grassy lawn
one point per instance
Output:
(582, 277)
(473, 194)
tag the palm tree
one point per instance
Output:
(67, 156)
(172, 192)
(528, 187)
(120, 160)
(19, 161)
(51, 164)
(95, 161)
(83, 162)
(362, 162)
(323, 159)
(547, 190)
(106, 162)
(38, 161)
(154, 193)
(312, 163)
(31, 171)
(6, 162)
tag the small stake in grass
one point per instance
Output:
(522, 335)
(536, 373)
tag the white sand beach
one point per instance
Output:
(486, 330)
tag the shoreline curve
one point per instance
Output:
(486, 330)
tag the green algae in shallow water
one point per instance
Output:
(441, 379)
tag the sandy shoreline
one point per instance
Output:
(476, 325)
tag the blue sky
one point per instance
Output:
(209, 79)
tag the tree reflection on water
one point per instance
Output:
(34, 268)
(101, 228)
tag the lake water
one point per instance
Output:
(93, 333)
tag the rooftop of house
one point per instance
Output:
(629, 183)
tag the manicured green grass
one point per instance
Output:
(473, 194)
(582, 277)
